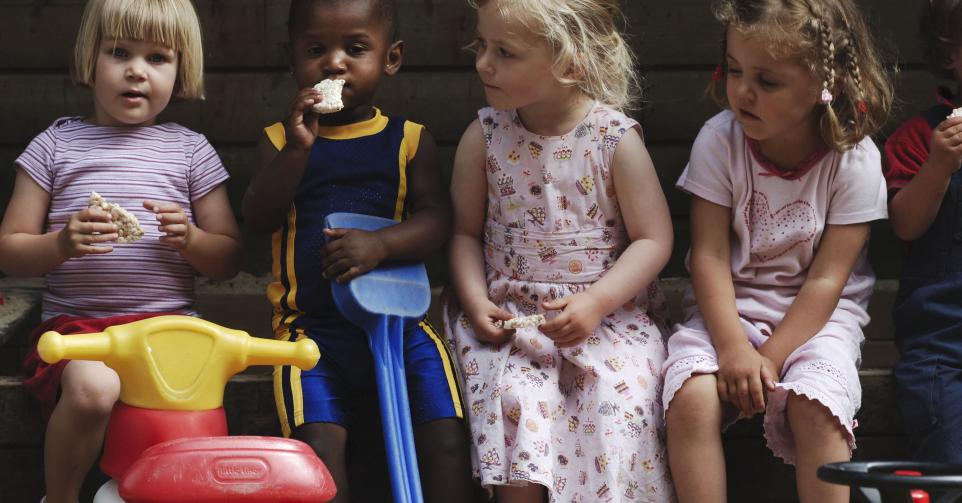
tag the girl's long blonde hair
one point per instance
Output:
(583, 36)
(171, 23)
(832, 39)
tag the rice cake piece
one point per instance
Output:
(128, 228)
(331, 90)
(522, 322)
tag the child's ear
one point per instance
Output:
(395, 54)
(574, 73)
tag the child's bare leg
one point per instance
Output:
(695, 451)
(75, 432)
(329, 442)
(819, 439)
(443, 460)
(531, 493)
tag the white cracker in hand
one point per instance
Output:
(521, 322)
(331, 90)
(955, 113)
(128, 228)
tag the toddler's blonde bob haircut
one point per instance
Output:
(583, 36)
(171, 23)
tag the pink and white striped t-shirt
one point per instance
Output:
(126, 165)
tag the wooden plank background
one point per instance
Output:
(248, 85)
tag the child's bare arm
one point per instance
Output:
(648, 224)
(212, 246)
(914, 207)
(26, 251)
(469, 195)
(711, 276)
(277, 175)
(743, 373)
(837, 254)
(353, 252)
(270, 193)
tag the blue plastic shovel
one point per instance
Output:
(379, 302)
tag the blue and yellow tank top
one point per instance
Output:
(357, 168)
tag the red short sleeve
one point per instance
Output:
(905, 152)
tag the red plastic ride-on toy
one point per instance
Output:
(167, 437)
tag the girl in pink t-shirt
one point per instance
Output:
(135, 56)
(785, 183)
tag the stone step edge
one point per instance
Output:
(247, 283)
(16, 381)
(22, 300)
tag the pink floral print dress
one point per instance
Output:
(585, 422)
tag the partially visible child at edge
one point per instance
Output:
(558, 210)
(784, 182)
(355, 160)
(135, 58)
(922, 170)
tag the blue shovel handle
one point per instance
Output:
(404, 415)
(380, 302)
(387, 347)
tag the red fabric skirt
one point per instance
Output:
(41, 379)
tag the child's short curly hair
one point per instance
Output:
(940, 31)
(386, 9)
(583, 35)
(171, 23)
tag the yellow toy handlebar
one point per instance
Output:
(54, 347)
(302, 354)
(176, 362)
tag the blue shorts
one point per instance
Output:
(342, 388)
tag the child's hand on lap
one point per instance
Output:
(86, 229)
(173, 223)
(744, 375)
(351, 253)
(580, 316)
(482, 317)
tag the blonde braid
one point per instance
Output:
(853, 68)
(828, 59)
(832, 132)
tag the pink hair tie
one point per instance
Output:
(862, 107)
(718, 74)
(825, 98)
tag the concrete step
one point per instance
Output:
(754, 475)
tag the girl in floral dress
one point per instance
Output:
(558, 211)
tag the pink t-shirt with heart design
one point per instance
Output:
(777, 221)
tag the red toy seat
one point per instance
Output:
(235, 469)
(133, 429)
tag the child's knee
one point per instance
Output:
(812, 413)
(695, 402)
(444, 439)
(90, 401)
(328, 440)
(89, 397)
